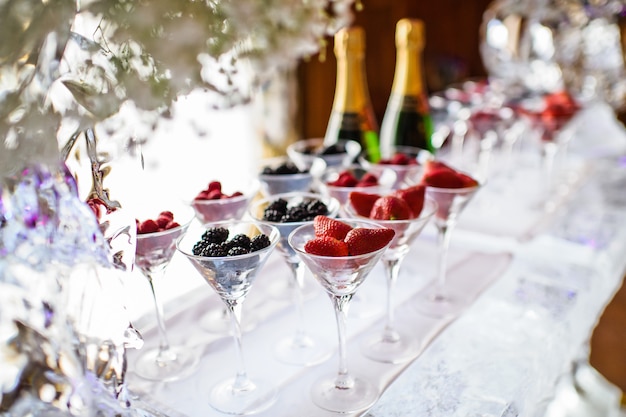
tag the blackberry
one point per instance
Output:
(238, 250)
(295, 214)
(283, 169)
(215, 250)
(240, 240)
(273, 216)
(215, 235)
(333, 149)
(316, 207)
(259, 242)
(279, 204)
(197, 248)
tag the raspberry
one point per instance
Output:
(148, 226)
(214, 186)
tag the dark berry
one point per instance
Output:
(295, 214)
(283, 169)
(215, 250)
(273, 215)
(278, 205)
(317, 207)
(215, 235)
(259, 242)
(237, 250)
(198, 247)
(333, 149)
(239, 240)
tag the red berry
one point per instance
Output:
(362, 203)
(214, 195)
(148, 226)
(171, 225)
(414, 197)
(362, 240)
(326, 226)
(214, 185)
(162, 221)
(390, 208)
(326, 246)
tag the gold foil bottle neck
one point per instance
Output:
(410, 33)
(349, 40)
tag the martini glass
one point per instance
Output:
(340, 277)
(392, 344)
(437, 301)
(231, 277)
(217, 320)
(300, 348)
(154, 252)
(550, 116)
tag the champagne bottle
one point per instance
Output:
(407, 120)
(352, 116)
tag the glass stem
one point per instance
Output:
(242, 382)
(392, 268)
(165, 355)
(298, 269)
(341, 304)
(444, 244)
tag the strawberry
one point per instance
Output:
(148, 226)
(326, 226)
(367, 180)
(362, 240)
(414, 198)
(390, 208)
(345, 179)
(467, 180)
(326, 246)
(362, 203)
(434, 165)
(443, 178)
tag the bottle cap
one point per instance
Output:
(350, 39)
(410, 33)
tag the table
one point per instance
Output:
(538, 281)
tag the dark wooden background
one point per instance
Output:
(451, 54)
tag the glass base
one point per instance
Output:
(218, 321)
(257, 396)
(302, 351)
(182, 364)
(360, 396)
(398, 347)
(436, 305)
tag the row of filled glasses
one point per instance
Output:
(486, 127)
(284, 209)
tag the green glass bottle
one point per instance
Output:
(352, 116)
(407, 120)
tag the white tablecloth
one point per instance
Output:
(538, 282)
